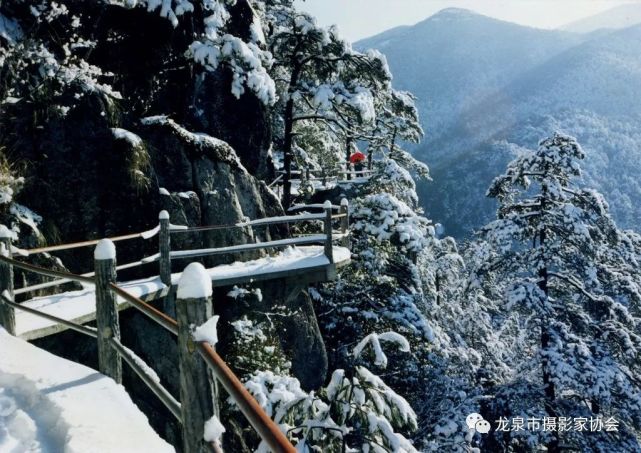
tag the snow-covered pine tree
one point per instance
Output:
(320, 79)
(356, 411)
(397, 122)
(37, 66)
(557, 272)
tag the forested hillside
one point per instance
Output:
(511, 85)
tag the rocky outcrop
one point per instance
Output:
(175, 139)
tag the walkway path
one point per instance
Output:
(50, 405)
(80, 306)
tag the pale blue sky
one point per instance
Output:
(361, 18)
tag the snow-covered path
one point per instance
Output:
(51, 405)
(80, 306)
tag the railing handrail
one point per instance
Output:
(329, 172)
(108, 291)
(74, 245)
(178, 229)
(46, 272)
(265, 426)
(300, 207)
(312, 239)
(266, 221)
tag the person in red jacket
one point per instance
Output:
(357, 159)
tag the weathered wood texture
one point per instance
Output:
(164, 245)
(197, 391)
(107, 323)
(7, 313)
(329, 248)
(344, 222)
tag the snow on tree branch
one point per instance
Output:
(374, 340)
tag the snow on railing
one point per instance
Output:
(111, 352)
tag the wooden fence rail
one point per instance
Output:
(107, 332)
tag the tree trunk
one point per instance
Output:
(548, 385)
(287, 153)
(289, 139)
(348, 154)
(393, 144)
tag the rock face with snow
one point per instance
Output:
(92, 162)
(150, 130)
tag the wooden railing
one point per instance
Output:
(111, 352)
(324, 175)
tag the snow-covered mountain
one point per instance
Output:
(484, 83)
(456, 57)
(622, 16)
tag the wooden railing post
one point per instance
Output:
(197, 391)
(324, 176)
(164, 246)
(107, 324)
(7, 313)
(307, 175)
(329, 247)
(345, 222)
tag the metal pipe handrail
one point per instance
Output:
(48, 272)
(154, 314)
(275, 181)
(282, 219)
(158, 389)
(89, 331)
(62, 281)
(257, 222)
(73, 245)
(300, 207)
(311, 239)
(266, 428)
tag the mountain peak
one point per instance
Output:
(453, 14)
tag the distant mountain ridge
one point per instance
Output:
(622, 16)
(456, 57)
(486, 87)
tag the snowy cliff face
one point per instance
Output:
(111, 118)
(485, 86)
(90, 160)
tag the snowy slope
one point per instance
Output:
(616, 18)
(52, 405)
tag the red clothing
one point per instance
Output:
(357, 157)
